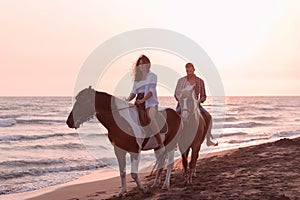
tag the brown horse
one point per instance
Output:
(194, 131)
(114, 114)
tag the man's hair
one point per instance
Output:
(189, 65)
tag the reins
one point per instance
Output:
(108, 112)
(116, 110)
(122, 108)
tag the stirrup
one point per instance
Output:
(210, 143)
(161, 148)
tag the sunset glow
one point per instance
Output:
(253, 44)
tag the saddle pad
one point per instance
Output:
(152, 142)
(129, 113)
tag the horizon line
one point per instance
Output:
(158, 96)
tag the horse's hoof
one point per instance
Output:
(164, 187)
(187, 183)
(120, 194)
(156, 183)
(145, 190)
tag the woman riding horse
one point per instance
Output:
(145, 88)
(115, 115)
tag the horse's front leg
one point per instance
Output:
(121, 157)
(184, 161)
(135, 159)
(170, 166)
(160, 159)
(192, 165)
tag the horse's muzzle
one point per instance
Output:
(185, 115)
(70, 121)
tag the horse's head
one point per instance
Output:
(83, 109)
(188, 104)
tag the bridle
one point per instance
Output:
(191, 111)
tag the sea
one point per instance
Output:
(37, 149)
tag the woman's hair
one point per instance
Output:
(137, 73)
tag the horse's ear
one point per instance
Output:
(90, 88)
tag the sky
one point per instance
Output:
(254, 45)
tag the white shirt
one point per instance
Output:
(146, 86)
(189, 86)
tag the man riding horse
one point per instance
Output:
(192, 81)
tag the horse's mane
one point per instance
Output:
(188, 93)
(90, 93)
(85, 93)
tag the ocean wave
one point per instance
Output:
(7, 122)
(46, 118)
(232, 104)
(233, 134)
(42, 171)
(68, 146)
(35, 137)
(247, 140)
(270, 109)
(260, 102)
(10, 116)
(289, 106)
(244, 125)
(287, 133)
(22, 163)
(231, 119)
(218, 119)
(4, 108)
(39, 121)
(94, 135)
(264, 118)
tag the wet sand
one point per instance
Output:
(266, 171)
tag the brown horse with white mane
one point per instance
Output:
(113, 113)
(194, 131)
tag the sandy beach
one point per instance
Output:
(266, 171)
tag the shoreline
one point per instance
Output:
(255, 168)
(96, 176)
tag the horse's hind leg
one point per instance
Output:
(135, 158)
(121, 156)
(170, 166)
(160, 159)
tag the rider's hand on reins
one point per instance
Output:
(139, 101)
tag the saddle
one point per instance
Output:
(143, 116)
(135, 120)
